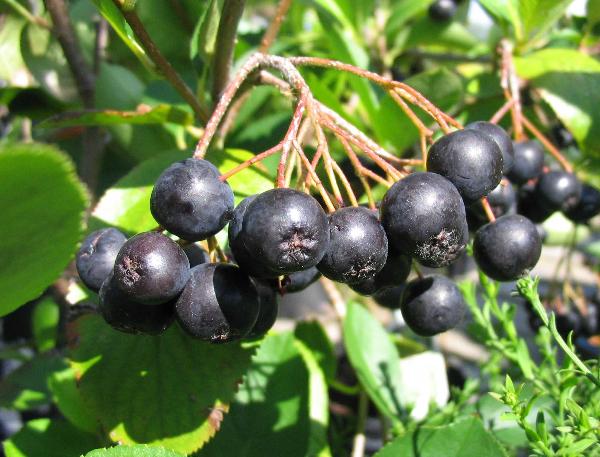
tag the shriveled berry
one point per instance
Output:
(394, 272)
(190, 201)
(219, 303)
(587, 207)
(358, 246)
(196, 254)
(528, 163)
(96, 256)
(424, 217)
(502, 139)
(268, 299)
(283, 231)
(508, 248)
(300, 280)
(442, 10)
(126, 315)
(432, 305)
(151, 268)
(559, 190)
(470, 159)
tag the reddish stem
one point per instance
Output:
(488, 209)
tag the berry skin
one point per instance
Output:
(442, 10)
(389, 297)
(300, 280)
(394, 273)
(424, 217)
(568, 321)
(219, 304)
(283, 231)
(432, 305)
(190, 201)
(96, 256)
(151, 268)
(587, 207)
(470, 159)
(530, 205)
(559, 190)
(503, 200)
(268, 299)
(508, 248)
(502, 139)
(358, 246)
(196, 254)
(126, 315)
(528, 163)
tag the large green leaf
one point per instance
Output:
(271, 414)
(42, 205)
(466, 438)
(44, 324)
(127, 204)
(375, 359)
(313, 335)
(49, 438)
(168, 390)
(568, 81)
(139, 450)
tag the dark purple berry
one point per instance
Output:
(508, 248)
(470, 159)
(562, 137)
(559, 190)
(151, 268)
(432, 305)
(358, 246)
(219, 303)
(442, 10)
(389, 297)
(531, 206)
(424, 217)
(590, 321)
(126, 315)
(394, 273)
(568, 321)
(587, 207)
(96, 256)
(190, 201)
(283, 231)
(268, 299)
(502, 139)
(300, 280)
(196, 254)
(528, 163)
(503, 200)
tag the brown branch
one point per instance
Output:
(488, 209)
(161, 62)
(510, 86)
(225, 45)
(502, 111)
(100, 43)
(274, 26)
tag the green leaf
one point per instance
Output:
(568, 81)
(271, 413)
(168, 390)
(44, 323)
(375, 359)
(161, 114)
(26, 387)
(43, 205)
(12, 66)
(535, 24)
(139, 450)
(205, 33)
(313, 335)
(402, 12)
(49, 438)
(466, 438)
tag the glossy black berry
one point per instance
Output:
(470, 159)
(126, 315)
(502, 200)
(528, 163)
(151, 268)
(442, 10)
(389, 297)
(508, 248)
(587, 207)
(394, 272)
(283, 231)
(530, 205)
(196, 254)
(190, 201)
(424, 217)
(432, 305)
(268, 299)
(96, 256)
(559, 190)
(562, 137)
(502, 139)
(300, 280)
(219, 303)
(358, 246)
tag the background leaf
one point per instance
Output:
(133, 451)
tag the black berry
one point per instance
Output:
(528, 163)
(196, 254)
(283, 231)
(126, 315)
(358, 246)
(432, 305)
(559, 190)
(470, 159)
(96, 256)
(268, 300)
(300, 280)
(389, 297)
(394, 273)
(568, 321)
(530, 205)
(502, 139)
(442, 10)
(508, 248)
(424, 217)
(219, 303)
(151, 268)
(190, 201)
(502, 200)
(587, 207)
